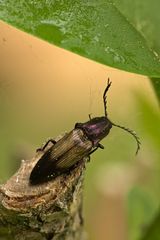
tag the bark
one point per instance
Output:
(51, 210)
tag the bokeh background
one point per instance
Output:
(44, 91)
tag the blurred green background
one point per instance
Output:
(44, 91)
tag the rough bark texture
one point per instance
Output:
(51, 210)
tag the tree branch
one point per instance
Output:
(51, 210)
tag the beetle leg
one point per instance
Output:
(100, 146)
(93, 150)
(89, 116)
(45, 145)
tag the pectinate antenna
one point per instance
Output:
(105, 97)
(132, 133)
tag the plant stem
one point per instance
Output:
(52, 210)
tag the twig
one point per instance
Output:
(51, 210)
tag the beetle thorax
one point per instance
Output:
(96, 129)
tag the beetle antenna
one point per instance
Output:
(105, 97)
(132, 133)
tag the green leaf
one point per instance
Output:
(149, 120)
(145, 18)
(149, 124)
(153, 233)
(93, 29)
(156, 86)
(141, 210)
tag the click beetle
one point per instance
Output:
(81, 142)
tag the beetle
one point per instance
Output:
(81, 142)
